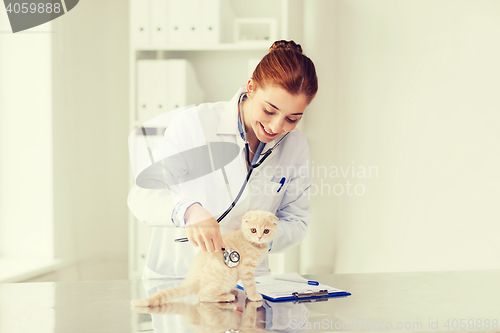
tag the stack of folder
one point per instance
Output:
(165, 85)
(174, 22)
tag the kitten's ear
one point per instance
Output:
(274, 219)
(246, 217)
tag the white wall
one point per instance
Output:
(90, 131)
(411, 88)
(26, 205)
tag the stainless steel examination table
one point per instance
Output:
(412, 302)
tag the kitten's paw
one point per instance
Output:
(255, 297)
(252, 305)
(159, 309)
(234, 292)
(140, 302)
(141, 309)
(227, 298)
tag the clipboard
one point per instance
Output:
(280, 291)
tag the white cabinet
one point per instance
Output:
(184, 52)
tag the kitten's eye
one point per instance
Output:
(253, 230)
(266, 231)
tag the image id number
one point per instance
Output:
(471, 323)
(34, 8)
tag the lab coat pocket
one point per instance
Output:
(271, 195)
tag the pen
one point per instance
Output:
(312, 283)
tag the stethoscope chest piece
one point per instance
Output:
(231, 258)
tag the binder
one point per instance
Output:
(139, 22)
(153, 97)
(210, 21)
(159, 19)
(191, 20)
(183, 85)
(145, 108)
(177, 25)
(279, 291)
(152, 88)
(160, 87)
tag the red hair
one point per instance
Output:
(287, 67)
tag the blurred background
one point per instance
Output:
(403, 133)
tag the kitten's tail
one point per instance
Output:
(165, 295)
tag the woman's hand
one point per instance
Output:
(202, 229)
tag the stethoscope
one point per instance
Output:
(231, 257)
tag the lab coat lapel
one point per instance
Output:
(228, 124)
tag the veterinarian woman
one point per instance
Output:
(183, 203)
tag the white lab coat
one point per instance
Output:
(218, 122)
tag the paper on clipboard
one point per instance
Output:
(271, 288)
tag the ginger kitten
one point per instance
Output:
(211, 279)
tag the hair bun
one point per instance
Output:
(288, 45)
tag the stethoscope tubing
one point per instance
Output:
(249, 173)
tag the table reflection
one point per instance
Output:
(242, 315)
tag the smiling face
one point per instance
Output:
(271, 111)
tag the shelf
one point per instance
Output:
(209, 47)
